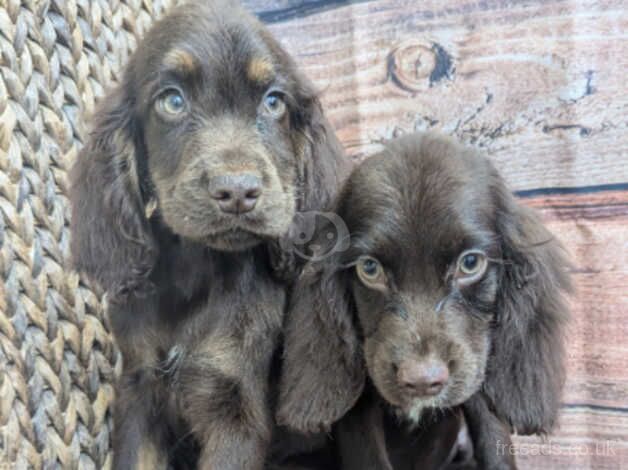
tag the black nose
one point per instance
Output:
(422, 378)
(236, 193)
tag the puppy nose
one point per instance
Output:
(237, 193)
(423, 378)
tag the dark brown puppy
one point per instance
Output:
(451, 293)
(196, 166)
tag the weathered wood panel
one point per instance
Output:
(538, 84)
(540, 87)
(281, 10)
(593, 426)
(588, 439)
(593, 228)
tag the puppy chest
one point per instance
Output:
(233, 340)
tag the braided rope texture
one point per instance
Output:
(57, 358)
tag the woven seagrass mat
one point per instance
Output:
(57, 358)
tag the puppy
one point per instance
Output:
(450, 294)
(182, 200)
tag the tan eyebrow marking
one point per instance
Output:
(181, 60)
(259, 70)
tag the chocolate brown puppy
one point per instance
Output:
(451, 293)
(182, 198)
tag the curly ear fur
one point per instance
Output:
(111, 239)
(323, 374)
(526, 368)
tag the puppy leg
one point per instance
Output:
(491, 437)
(232, 423)
(361, 439)
(225, 390)
(233, 448)
(139, 436)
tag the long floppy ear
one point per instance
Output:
(526, 368)
(111, 239)
(324, 165)
(322, 168)
(323, 373)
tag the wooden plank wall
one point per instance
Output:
(540, 86)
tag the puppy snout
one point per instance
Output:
(422, 378)
(236, 193)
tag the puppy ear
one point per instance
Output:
(323, 163)
(525, 372)
(111, 239)
(322, 167)
(323, 374)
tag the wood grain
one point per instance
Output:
(538, 84)
(282, 10)
(593, 229)
(594, 420)
(587, 439)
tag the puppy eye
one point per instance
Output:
(470, 263)
(371, 273)
(171, 102)
(471, 266)
(275, 104)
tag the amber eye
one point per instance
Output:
(471, 265)
(275, 104)
(171, 102)
(371, 272)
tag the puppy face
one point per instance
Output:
(449, 287)
(426, 266)
(219, 102)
